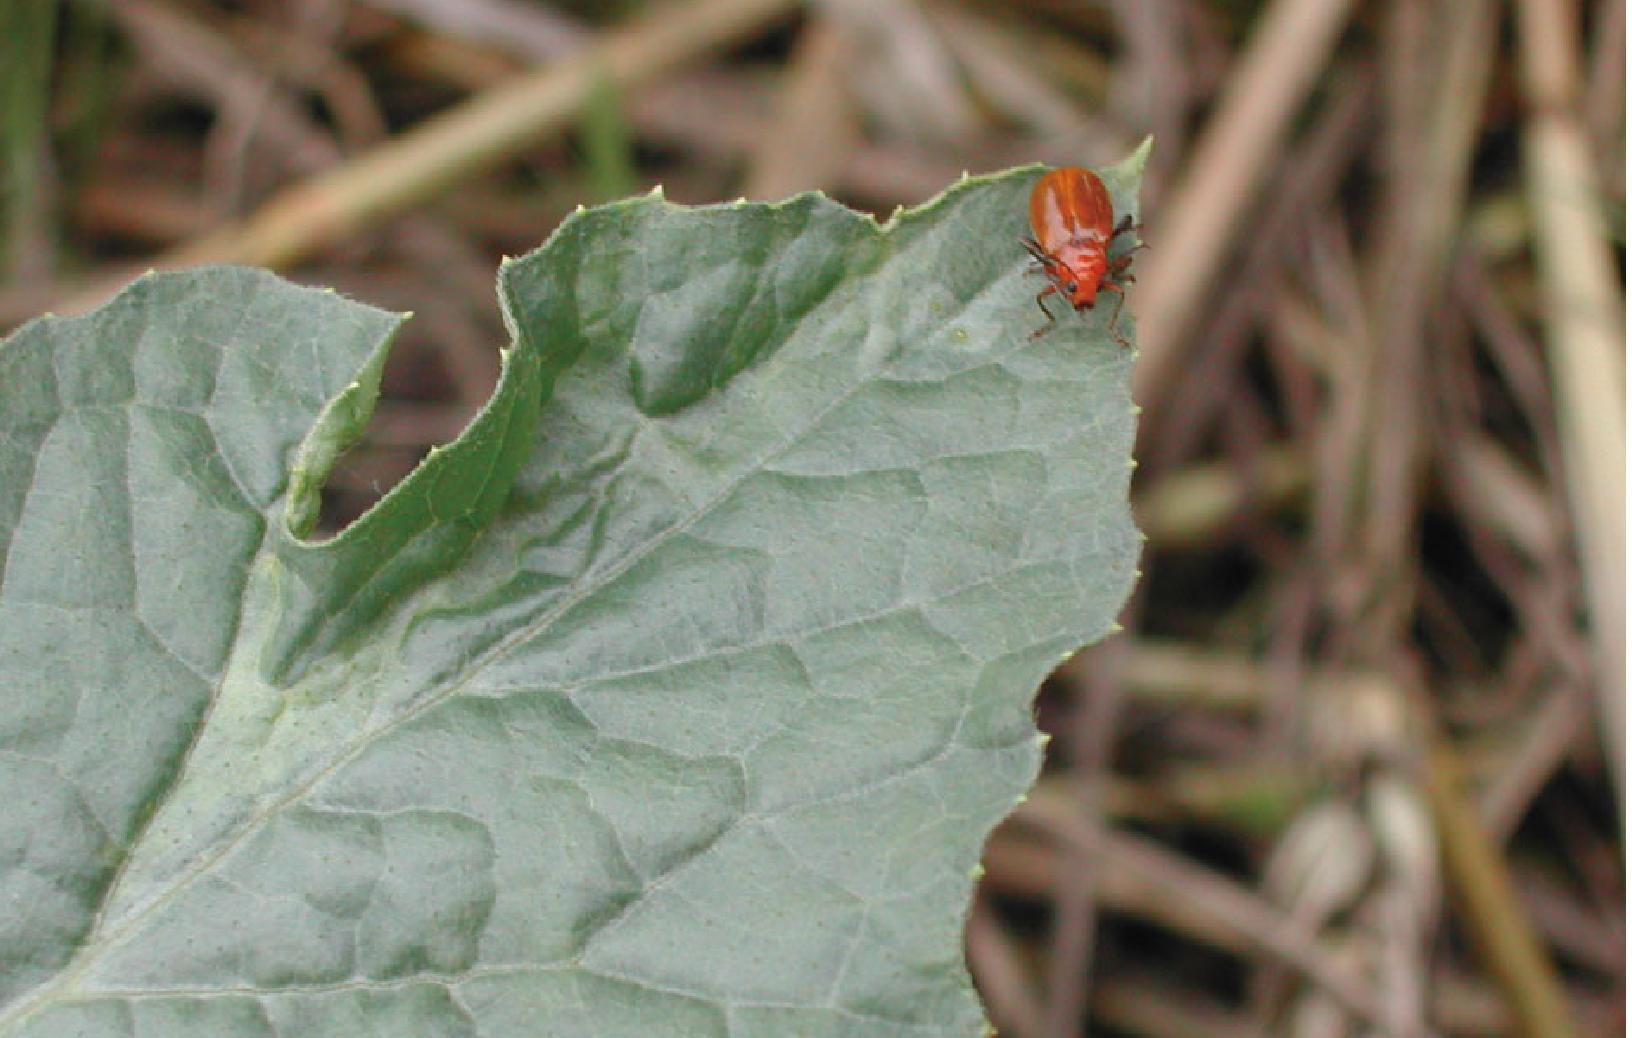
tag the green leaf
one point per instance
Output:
(676, 697)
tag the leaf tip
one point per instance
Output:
(1133, 165)
(977, 872)
(1142, 152)
(1126, 174)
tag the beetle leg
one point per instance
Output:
(1121, 297)
(1124, 226)
(1047, 265)
(1045, 293)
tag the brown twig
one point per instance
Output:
(1020, 864)
(1148, 1007)
(1491, 908)
(1582, 313)
(809, 141)
(465, 140)
(1309, 178)
(1192, 236)
(1001, 73)
(1543, 739)
(314, 64)
(1605, 101)
(1156, 83)
(1428, 170)
(470, 355)
(994, 959)
(1190, 507)
(1097, 709)
(1581, 930)
(534, 30)
(199, 59)
(1177, 674)
(1203, 893)
(1337, 344)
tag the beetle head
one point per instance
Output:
(1080, 283)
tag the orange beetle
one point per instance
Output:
(1071, 232)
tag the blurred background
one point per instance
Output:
(1355, 765)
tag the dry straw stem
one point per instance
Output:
(1426, 192)
(1192, 506)
(809, 143)
(1308, 178)
(1582, 316)
(1254, 798)
(1605, 103)
(1176, 674)
(1004, 74)
(1172, 674)
(470, 138)
(1192, 236)
(1498, 493)
(1491, 910)
(517, 25)
(1141, 1007)
(1022, 862)
(1089, 743)
(1473, 862)
(1532, 757)
(196, 58)
(996, 962)
(1194, 890)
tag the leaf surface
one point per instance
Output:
(677, 696)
